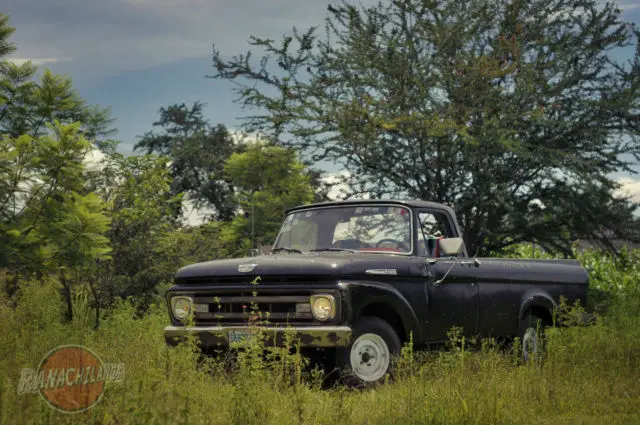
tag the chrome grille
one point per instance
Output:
(238, 308)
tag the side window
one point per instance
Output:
(432, 226)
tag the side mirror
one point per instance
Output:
(450, 247)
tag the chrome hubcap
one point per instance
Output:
(529, 343)
(370, 357)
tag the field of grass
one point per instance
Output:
(590, 375)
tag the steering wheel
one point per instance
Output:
(398, 243)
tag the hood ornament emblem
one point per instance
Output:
(245, 268)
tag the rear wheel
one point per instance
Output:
(368, 358)
(531, 334)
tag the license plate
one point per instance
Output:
(240, 336)
(202, 308)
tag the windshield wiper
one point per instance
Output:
(332, 249)
(285, 248)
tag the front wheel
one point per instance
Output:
(369, 356)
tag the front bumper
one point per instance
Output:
(305, 336)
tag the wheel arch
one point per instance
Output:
(390, 311)
(382, 300)
(539, 303)
(387, 313)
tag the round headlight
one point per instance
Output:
(182, 308)
(322, 308)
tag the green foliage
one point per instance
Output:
(6, 47)
(47, 222)
(489, 107)
(31, 106)
(137, 190)
(269, 180)
(80, 233)
(148, 242)
(16, 94)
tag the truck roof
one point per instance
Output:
(411, 203)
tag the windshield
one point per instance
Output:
(357, 228)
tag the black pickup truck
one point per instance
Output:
(360, 277)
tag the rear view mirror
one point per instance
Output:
(450, 247)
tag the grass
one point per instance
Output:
(590, 375)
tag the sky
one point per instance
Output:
(138, 55)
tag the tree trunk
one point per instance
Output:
(95, 297)
(11, 285)
(66, 286)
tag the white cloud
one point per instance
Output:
(37, 61)
(629, 6)
(341, 188)
(241, 136)
(630, 187)
(93, 158)
(111, 36)
(192, 216)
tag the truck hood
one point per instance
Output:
(323, 264)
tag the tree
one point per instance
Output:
(197, 151)
(269, 180)
(49, 224)
(492, 107)
(29, 106)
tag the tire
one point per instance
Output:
(531, 334)
(369, 356)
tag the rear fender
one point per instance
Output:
(536, 298)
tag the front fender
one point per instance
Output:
(362, 294)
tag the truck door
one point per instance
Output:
(454, 302)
